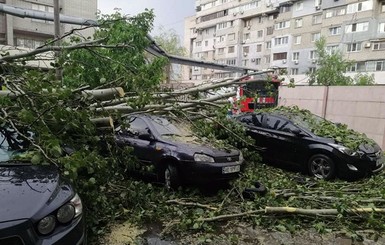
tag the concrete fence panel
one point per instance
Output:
(362, 108)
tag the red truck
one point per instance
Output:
(261, 93)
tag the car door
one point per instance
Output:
(144, 149)
(282, 143)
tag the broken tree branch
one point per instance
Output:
(191, 204)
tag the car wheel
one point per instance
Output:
(171, 177)
(322, 167)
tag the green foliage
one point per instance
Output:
(59, 117)
(170, 41)
(331, 67)
(324, 128)
(127, 66)
(364, 79)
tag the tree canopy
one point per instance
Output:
(332, 68)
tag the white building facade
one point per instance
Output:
(281, 33)
(32, 33)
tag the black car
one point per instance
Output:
(288, 139)
(37, 205)
(177, 156)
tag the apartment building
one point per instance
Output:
(32, 33)
(280, 33)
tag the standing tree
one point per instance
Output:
(331, 67)
(170, 42)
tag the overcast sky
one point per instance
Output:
(168, 13)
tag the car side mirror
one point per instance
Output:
(298, 132)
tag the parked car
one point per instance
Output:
(288, 139)
(177, 156)
(37, 205)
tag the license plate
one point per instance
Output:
(231, 169)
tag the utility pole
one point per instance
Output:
(56, 20)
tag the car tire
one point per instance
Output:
(322, 167)
(171, 177)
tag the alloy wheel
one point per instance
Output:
(321, 167)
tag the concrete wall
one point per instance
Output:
(362, 108)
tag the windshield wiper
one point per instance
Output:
(16, 162)
(171, 134)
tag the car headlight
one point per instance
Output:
(46, 225)
(203, 158)
(65, 214)
(344, 150)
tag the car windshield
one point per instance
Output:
(308, 121)
(10, 145)
(167, 128)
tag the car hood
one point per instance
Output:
(26, 189)
(194, 145)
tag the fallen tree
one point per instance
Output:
(72, 111)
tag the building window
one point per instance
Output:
(317, 19)
(206, 43)
(312, 70)
(259, 47)
(246, 36)
(270, 30)
(295, 56)
(231, 36)
(335, 30)
(222, 38)
(374, 66)
(298, 23)
(297, 39)
(335, 12)
(246, 50)
(280, 56)
(284, 9)
(247, 23)
(381, 28)
(313, 55)
(260, 34)
(353, 47)
(258, 61)
(267, 59)
(231, 62)
(29, 43)
(222, 25)
(198, 44)
(281, 41)
(383, 7)
(244, 62)
(294, 71)
(361, 6)
(230, 49)
(298, 6)
(332, 49)
(315, 36)
(357, 27)
(282, 25)
(221, 50)
(379, 46)
(268, 45)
